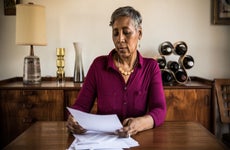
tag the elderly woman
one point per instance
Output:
(124, 82)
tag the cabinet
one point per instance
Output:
(20, 108)
(22, 105)
(191, 102)
(189, 105)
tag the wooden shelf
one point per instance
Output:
(46, 83)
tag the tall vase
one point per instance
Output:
(78, 68)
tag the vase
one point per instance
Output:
(78, 67)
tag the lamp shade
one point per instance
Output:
(30, 24)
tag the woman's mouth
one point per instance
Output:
(122, 48)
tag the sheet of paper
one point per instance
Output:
(100, 132)
(94, 140)
(93, 122)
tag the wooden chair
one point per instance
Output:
(222, 88)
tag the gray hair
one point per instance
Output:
(129, 12)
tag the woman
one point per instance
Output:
(123, 82)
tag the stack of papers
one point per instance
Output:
(100, 132)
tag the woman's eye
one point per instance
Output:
(127, 32)
(115, 33)
(124, 32)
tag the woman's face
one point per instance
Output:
(125, 36)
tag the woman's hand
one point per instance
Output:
(132, 126)
(74, 127)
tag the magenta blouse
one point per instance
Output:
(142, 94)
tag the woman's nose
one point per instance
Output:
(121, 37)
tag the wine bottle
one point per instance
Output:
(180, 48)
(166, 48)
(167, 76)
(187, 61)
(181, 76)
(173, 65)
(161, 62)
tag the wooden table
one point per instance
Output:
(170, 136)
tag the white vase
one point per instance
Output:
(78, 68)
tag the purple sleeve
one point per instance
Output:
(87, 94)
(157, 103)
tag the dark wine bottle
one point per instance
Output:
(167, 76)
(187, 61)
(181, 76)
(180, 48)
(173, 65)
(161, 62)
(166, 48)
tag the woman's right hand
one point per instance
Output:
(74, 127)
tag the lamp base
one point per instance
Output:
(31, 70)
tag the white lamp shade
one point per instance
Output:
(30, 25)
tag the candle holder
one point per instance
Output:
(60, 66)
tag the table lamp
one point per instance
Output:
(31, 30)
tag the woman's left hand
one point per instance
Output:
(132, 126)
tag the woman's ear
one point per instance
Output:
(140, 33)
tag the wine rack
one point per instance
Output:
(174, 71)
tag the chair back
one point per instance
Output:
(222, 88)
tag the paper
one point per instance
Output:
(93, 122)
(101, 141)
(95, 140)
(100, 132)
